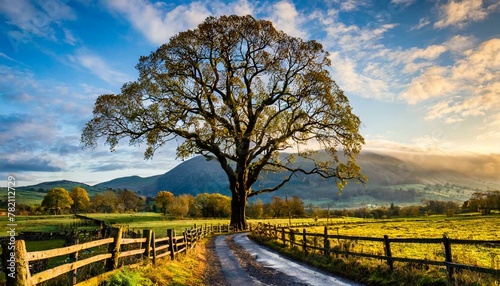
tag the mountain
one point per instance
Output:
(405, 178)
(399, 177)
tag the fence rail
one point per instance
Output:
(147, 248)
(321, 242)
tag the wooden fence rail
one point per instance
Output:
(322, 242)
(148, 248)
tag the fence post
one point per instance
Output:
(292, 237)
(147, 233)
(326, 242)
(304, 241)
(73, 258)
(15, 264)
(388, 253)
(170, 234)
(283, 234)
(114, 248)
(153, 246)
(448, 257)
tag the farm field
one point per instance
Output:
(460, 227)
(132, 221)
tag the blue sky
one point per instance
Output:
(424, 76)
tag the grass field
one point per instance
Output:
(132, 221)
(460, 227)
(474, 227)
(376, 271)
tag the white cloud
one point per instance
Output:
(99, 67)
(403, 2)
(352, 5)
(286, 18)
(421, 23)
(461, 13)
(459, 44)
(345, 72)
(154, 22)
(36, 17)
(158, 24)
(69, 38)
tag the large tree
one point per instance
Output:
(236, 90)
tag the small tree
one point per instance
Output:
(81, 200)
(278, 207)
(57, 199)
(180, 206)
(163, 200)
(130, 200)
(255, 209)
(296, 207)
(106, 202)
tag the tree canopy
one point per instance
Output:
(57, 199)
(239, 91)
(163, 200)
(80, 197)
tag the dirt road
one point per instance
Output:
(244, 262)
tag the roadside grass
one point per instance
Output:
(186, 269)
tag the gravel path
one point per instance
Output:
(244, 262)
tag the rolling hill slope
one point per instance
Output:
(402, 178)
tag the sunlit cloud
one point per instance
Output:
(286, 18)
(460, 13)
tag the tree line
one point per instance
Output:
(60, 201)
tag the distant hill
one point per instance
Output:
(34, 194)
(68, 185)
(403, 178)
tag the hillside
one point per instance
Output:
(34, 194)
(402, 178)
(397, 178)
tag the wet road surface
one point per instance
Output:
(246, 263)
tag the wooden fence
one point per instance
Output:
(147, 249)
(323, 242)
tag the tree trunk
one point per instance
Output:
(238, 205)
